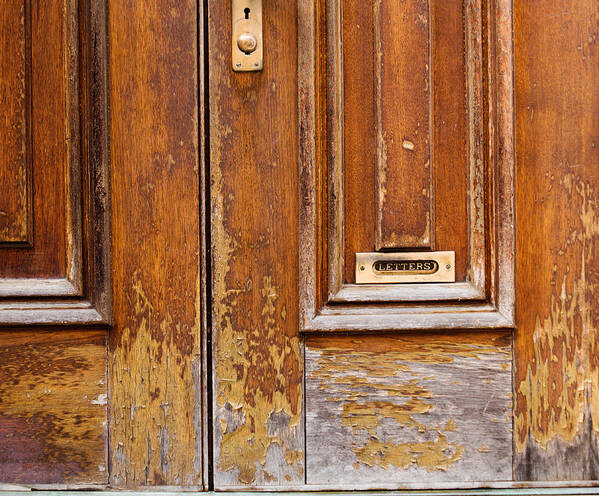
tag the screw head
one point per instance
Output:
(247, 43)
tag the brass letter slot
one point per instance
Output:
(382, 268)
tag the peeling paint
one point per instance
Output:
(102, 399)
(151, 412)
(380, 399)
(257, 362)
(561, 383)
(246, 384)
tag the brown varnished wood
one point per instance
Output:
(53, 407)
(155, 344)
(338, 202)
(403, 123)
(383, 411)
(449, 138)
(15, 147)
(257, 351)
(556, 380)
(449, 161)
(50, 120)
(360, 131)
(68, 255)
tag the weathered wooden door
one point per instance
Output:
(370, 263)
(394, 127)
(400, 140)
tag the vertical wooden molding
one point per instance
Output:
(477, 198)
(335, 188)
(155, 346)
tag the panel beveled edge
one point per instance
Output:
(346, 307)
(84, 296)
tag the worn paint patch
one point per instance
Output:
(257, 359)
(561, 380)
(408, 408)
(52, 429)
(154, 434)
(257, 408)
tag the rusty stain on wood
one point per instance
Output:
(391, 407)
(53, 414)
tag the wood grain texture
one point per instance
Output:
(69, 254)
(450, 160)
(449, 164)
(53, 407)
(14, 129)
(257, 351)
(51, 45)
(556, 357)
(155, 345)
(337, 183)
(404, 409)
(402, 52)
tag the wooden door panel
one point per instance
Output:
(53, 407)
(59, 272)
(258, 433)
(403, 121)
(412, 409)
(155, 349)
(15, 58)
(472, 189)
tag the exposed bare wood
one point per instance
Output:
(556, 382)
(53, 407)
(408, 408)
(155, 345)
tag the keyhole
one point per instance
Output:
(247, 12)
